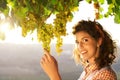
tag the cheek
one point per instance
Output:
(92, 48)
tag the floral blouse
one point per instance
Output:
(92, 73)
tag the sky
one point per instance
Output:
(86, 11)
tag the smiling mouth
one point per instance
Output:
(83, 52)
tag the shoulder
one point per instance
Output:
(106, 73)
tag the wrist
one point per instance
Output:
(56, 77)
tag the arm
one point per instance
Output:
(50, 66)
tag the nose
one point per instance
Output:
(80, 45)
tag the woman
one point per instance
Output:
(95, 51)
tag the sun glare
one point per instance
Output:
(14, 35)
(4, 27)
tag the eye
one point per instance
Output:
(85, 40)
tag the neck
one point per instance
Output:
(91, 61)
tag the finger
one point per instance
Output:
(44, 59)
(46, 51)
(47, 54)
(42, 62)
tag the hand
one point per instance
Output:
(50, 66)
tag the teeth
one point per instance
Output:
(83, 52)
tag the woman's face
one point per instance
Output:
(87, 46)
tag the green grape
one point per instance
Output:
(58, 45)
(60, 29)
(45, 35)
(24, 30)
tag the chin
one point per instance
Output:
(84, 58)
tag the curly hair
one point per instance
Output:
(107, 49)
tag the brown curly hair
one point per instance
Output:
(108, 46)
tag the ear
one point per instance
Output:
(99, 42)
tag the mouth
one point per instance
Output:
(83, 52)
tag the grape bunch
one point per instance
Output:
(44, 35)
(60, 29)
(28, 24)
